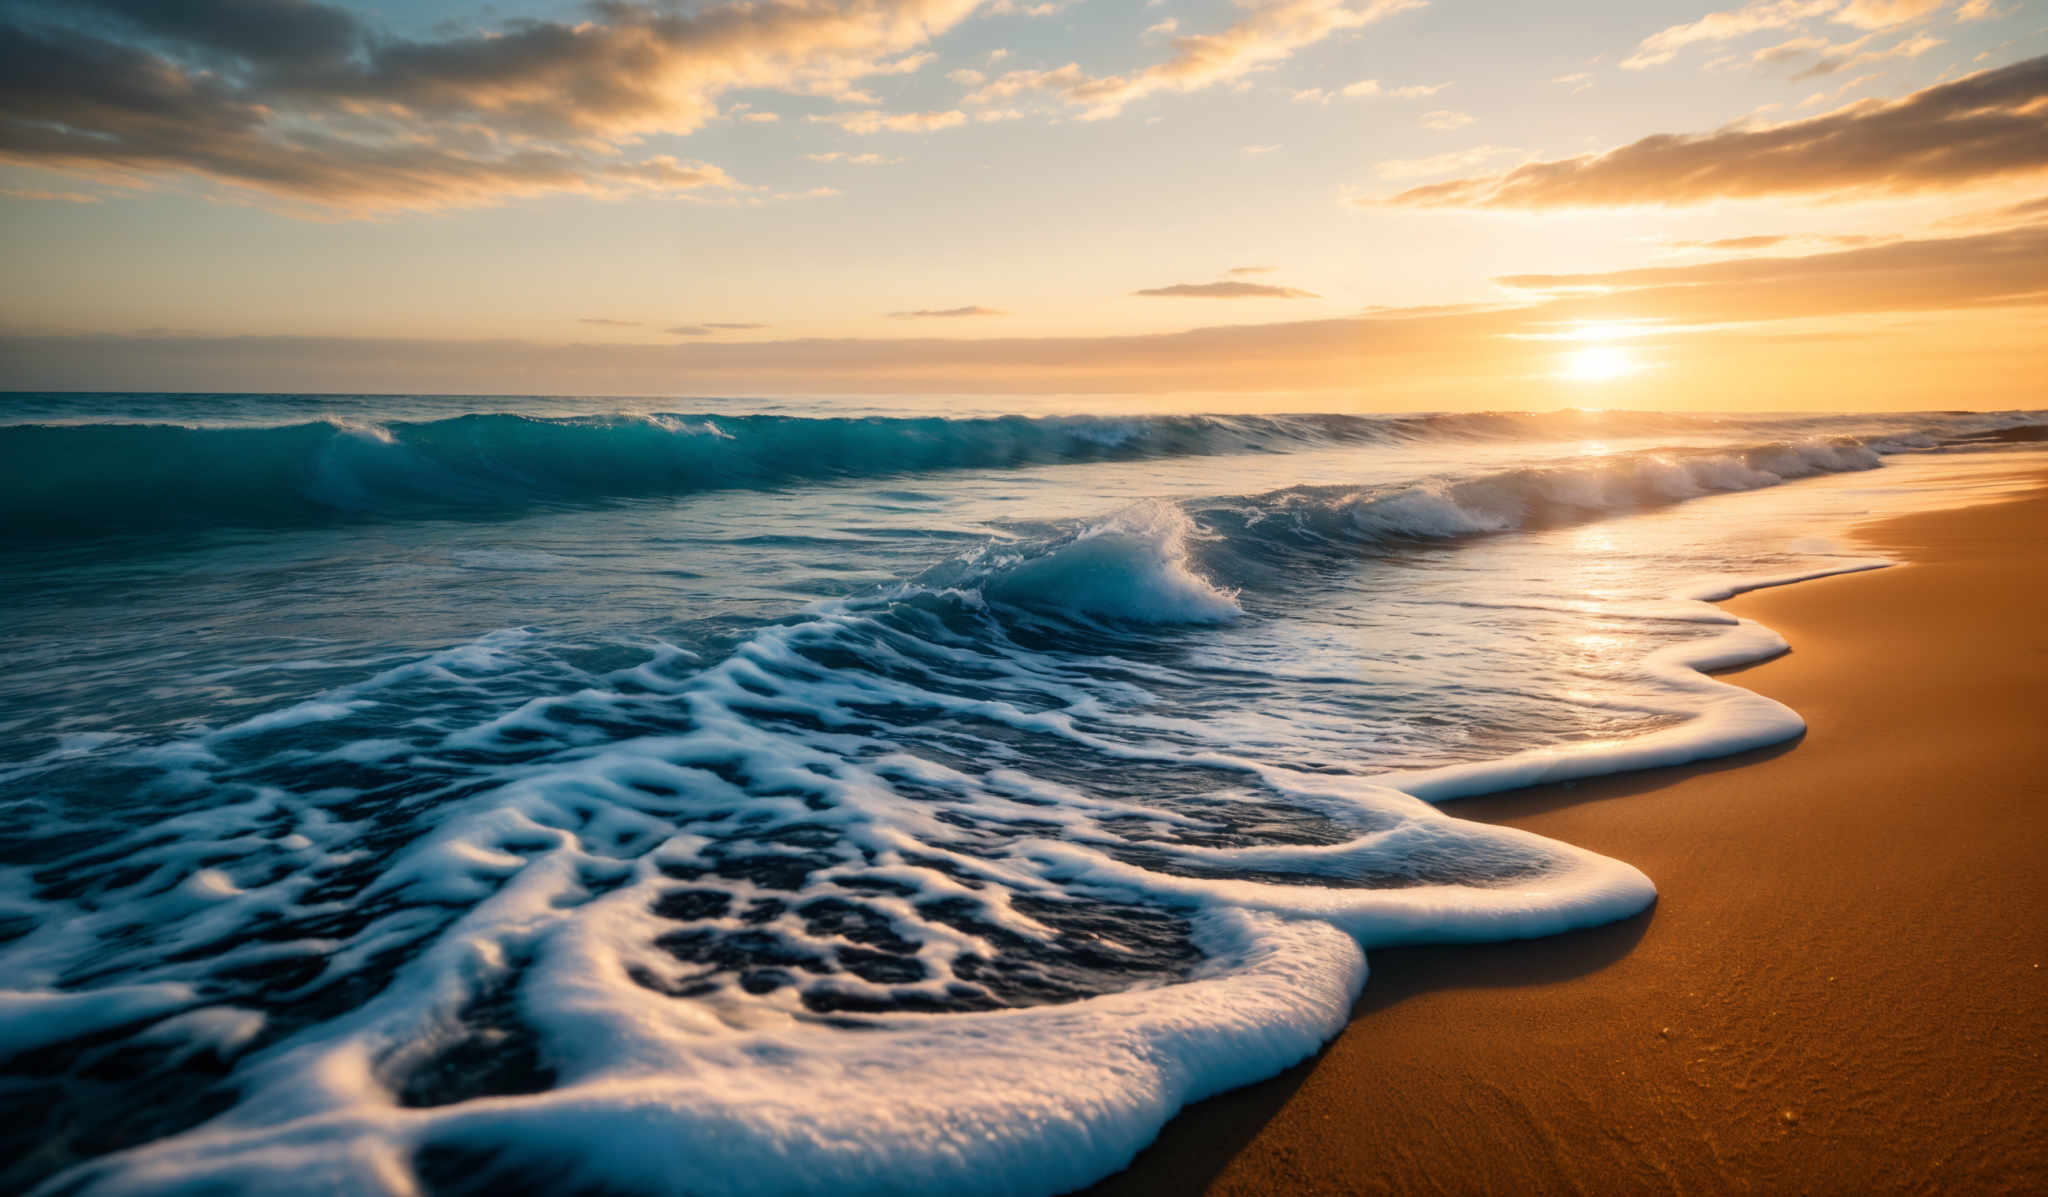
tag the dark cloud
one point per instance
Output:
(300, 100)
(947, 313)
(1986, 126)
(1227, 290)
(274, 33)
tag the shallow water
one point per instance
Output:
(495, 794)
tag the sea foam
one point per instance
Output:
(955, 884)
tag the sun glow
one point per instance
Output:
(1597, 363)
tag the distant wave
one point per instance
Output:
(81, 479)
(67, 480)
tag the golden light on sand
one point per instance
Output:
(1597, 363)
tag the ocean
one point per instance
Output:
(459, 794)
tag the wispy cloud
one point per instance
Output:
(1831, 57)
(708, 328)
(1250, 271)
(1269, 33)
(1754, 243)
(875, 121)
(947, 313)
(35, 193)
(1446, 120)
(1762, 16)
(1925, 275)
(1227, 290)
(1952, 135)
(852, 159)
(608, 322)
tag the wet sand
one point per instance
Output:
(1840, 989)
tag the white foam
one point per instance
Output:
(32, 1019)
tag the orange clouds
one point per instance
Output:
(299, 100)
(1227, 290)
(1952, 135)
(1270, 32)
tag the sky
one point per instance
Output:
(1362, 204)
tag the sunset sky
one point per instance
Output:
(1335, 203)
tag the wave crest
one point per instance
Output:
(1132, 567)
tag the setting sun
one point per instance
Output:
(1598, 363)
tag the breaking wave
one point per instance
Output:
(61, 480)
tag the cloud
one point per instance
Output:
(1952, 135)
(1577, 81)
(2025, 212)
(304, 102)
(1883, 14)
(1445, 120)
(64, 197)
(1929, 274)
(947, 313)
(852, 159)
(1248, 271)
(1770, 241)
(709, 327)
(607, 322)
(1269, 33)
(1764, 15)
(1663, 46)
(1831, 57)
(876, 121)
(1733, 243)
(1227, 290)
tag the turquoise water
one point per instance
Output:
(491, 793)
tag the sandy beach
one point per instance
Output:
(1841, 988)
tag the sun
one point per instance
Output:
(1597, 363)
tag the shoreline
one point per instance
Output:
(1840, 986)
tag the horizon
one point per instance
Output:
(1370, 205)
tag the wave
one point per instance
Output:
(63, 480)
(58, 480)
(1158, 563)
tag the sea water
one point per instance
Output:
(486, 795)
